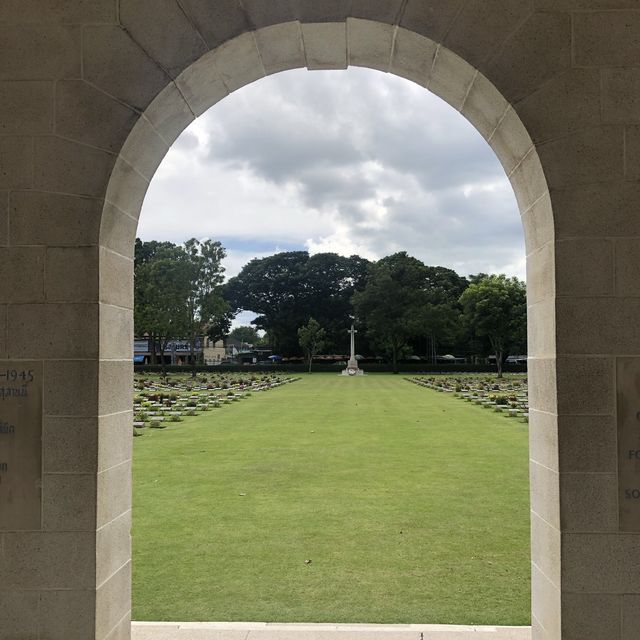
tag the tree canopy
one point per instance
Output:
(178, 292)
(288, 288)
(311, 338)
(245, 333)
(442, 289)
(392, 303)
(495, 307)
(401, 305)
(161, 281)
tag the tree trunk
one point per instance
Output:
(499, 363)
(394, 359)
(498, 351)
(163, 346)
(192, 350)
(152, 348)
(163, 370)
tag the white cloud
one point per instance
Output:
(351, 162)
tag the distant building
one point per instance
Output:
(177, 352)
(519, 360)
(214, 351)
(230, 350)
(450, 359)
(206, 351)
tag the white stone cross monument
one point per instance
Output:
(352, 367)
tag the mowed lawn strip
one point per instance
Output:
(411, 506)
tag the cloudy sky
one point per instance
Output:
(350, 161)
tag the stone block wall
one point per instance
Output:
(92, 94)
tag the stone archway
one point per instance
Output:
(100, 92)
(337, 45)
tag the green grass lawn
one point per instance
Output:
(411, 505)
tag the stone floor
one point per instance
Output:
(273, 631)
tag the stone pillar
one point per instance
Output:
(67, 575)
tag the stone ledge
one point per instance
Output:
(313, 631)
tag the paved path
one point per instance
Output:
(274, 631)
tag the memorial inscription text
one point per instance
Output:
(628, 375)
(20, 445)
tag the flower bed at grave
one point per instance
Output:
(158, 401)
(508, 395)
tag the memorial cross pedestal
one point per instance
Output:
(352, 366)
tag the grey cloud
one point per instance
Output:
(446, 228)
(334, 185)
(290, 134)
(457, 221)
(311, 128)
(319, 135)
(436, 164)
(354, 214)
(280, 157)
(187, 141)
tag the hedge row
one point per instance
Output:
(413, 367)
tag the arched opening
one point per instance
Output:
(390, 49)
(283, 174)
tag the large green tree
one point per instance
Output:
(272, 288)
(495, 307)
(161, 280)
(246, 334)
(393, 303)
(207, 310)
(288, 288)
(441, 309)
(178, 292)
(311, 338)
